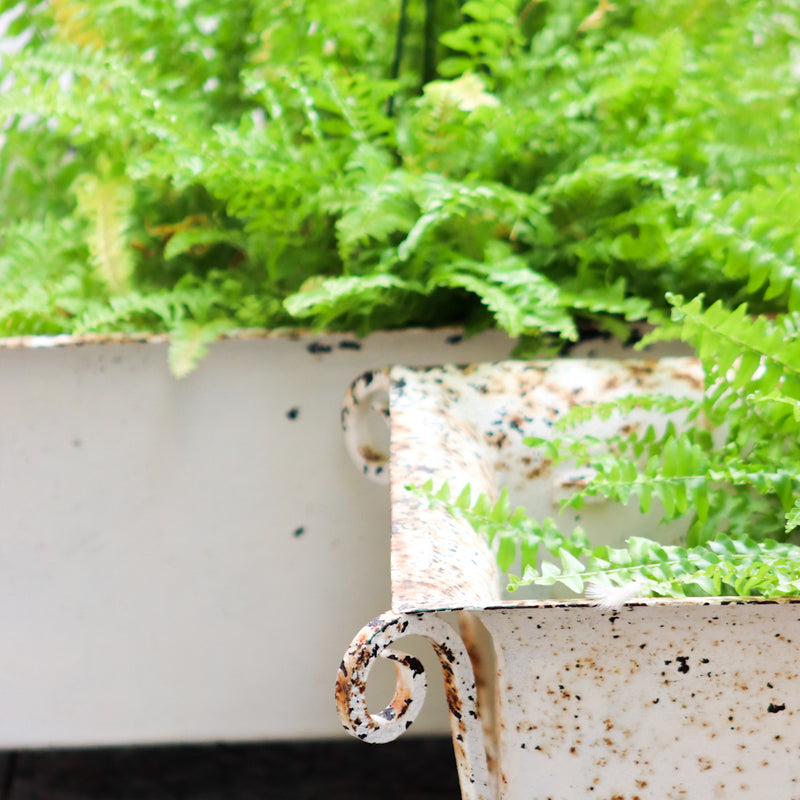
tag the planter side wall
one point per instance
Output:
(685, 699)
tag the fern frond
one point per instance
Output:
(521, 300)
(200, 239)
(583, 413)
(793, 517)
(327, 299)
(740, 566)
(75, 24)
(189, 342)
(745, 357)
(106, 204)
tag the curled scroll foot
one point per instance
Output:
(374, 641)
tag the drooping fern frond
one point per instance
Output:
(521, 300)
(740, 566)
(189, 342)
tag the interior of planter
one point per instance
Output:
(467, 425)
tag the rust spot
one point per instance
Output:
(641, 368)
(535, 472)
(370, 454)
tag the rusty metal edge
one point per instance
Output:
(724, 600)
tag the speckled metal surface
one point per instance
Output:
(659, 700)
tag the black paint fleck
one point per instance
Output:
(347, 344)
(316, 348)
(415, 665)
(774, 709)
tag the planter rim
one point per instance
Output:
(47, 341)
(579, 602)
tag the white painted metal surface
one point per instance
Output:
(658, 700)
(185, 560)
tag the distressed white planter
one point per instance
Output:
(183, 560)
(558, 699)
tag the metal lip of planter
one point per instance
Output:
(555, 699)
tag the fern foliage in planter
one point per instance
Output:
(732, 470)
(540, 167)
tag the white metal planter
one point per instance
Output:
(559, 699)
(173, 553)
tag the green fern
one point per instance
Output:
(547, 168)
(738, 566)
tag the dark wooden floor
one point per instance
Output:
(422, 769)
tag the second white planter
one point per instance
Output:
(558, 699)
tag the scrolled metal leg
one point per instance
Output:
(374, 641)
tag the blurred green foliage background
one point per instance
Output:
(545, 167)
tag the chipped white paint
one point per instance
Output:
(653, 700)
